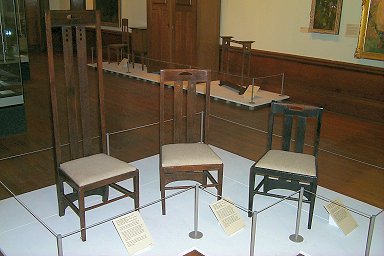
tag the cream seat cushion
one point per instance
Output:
(188, 154)
(288, 162)
(90, 169)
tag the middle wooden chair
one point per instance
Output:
(184, 150)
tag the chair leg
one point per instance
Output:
(312, 205)
(82, 214)
(105, 193)
(251, 192)
(162, 192)
(220, 183)
(136, 189)
(133, 59)
(60, 195)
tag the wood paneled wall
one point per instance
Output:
(339, 87)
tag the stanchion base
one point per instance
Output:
(195, 235)
(296, 239)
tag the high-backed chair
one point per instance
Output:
(184, 150)
(121, 48)
(80, 156)
(294, 164)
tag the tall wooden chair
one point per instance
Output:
(293, 165)
(186, 155)
(121, 48)
(84, 164)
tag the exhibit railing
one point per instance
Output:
(196, 232)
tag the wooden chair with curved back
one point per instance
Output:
(186, 155)
(294, 164)
(80, 157)
(122, 48)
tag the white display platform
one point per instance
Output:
(20, 234)
(227, 94)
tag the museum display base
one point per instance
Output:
(227, 94)
(21, 234)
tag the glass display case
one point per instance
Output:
(12, 57)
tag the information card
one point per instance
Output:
(228, 216)
(133, 232)
(341, 216)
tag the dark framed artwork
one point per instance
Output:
(325, 16)
(110, 12)
(371, 36)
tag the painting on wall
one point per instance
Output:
(109, 12)
(371, 36)
(325, 16)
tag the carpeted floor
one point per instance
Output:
(20, 234)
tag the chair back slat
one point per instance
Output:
(296, 118)
(178, 111)
(83, 90)
(71, 90)
(287, 132)
(79, 114)
(191, 112)
(300, 134)
(185, 103)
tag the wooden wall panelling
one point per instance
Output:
(159, 32)
(184, 31)
(339, 87)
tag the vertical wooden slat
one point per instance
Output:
(162, 110)
(70, 84)
(287, 132)
(191, 110)
(300, 134)
(100, 83)
(178, 112)
(52, 83)
(83, 89)
(207, 104)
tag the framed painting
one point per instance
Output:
(109, 11)
(371, 36)
(325, 16)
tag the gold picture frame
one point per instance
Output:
(325, 16)
(370, 44)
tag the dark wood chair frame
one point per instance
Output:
(78, 107)
(184, 128)
(124, 46)
(279, 179)
(245, 63)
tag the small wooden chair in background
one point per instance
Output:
(122, 48)
(88, 170)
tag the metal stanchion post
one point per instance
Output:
(370, 233)
(253, 234)
(59, 242)
(282, 84)
(296, 237)
(253, 86)
(108, 150)
(195, 234)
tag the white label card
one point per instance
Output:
(228, 216)
(133, 232)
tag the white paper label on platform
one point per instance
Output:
(133, 232)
